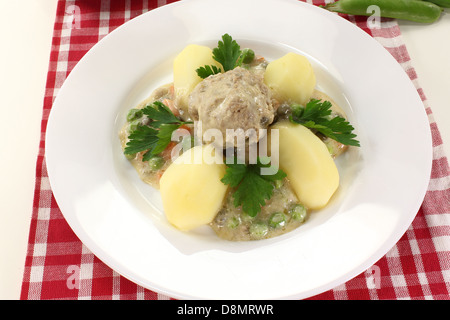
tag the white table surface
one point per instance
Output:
(26, 33)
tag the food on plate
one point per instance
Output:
(238, 143)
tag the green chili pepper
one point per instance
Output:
(441, 3)
(412, 10)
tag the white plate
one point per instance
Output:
(120, 219)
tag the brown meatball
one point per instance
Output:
(237, 99)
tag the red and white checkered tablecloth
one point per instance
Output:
(417, 267)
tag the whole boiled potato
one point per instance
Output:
(291, 78)
(185, 64)
(307, 163)
(191, 190)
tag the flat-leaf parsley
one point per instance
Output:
(251, 188)
(317, 116)
(229, 54)
(156, 136)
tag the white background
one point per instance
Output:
(26, 28)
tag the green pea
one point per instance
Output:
(258, 229)
(134, 114)
(277, 220)
(156, 162)
(412, 10)
(233, 222)
(298, 212)
(297, 109)
(247, 55)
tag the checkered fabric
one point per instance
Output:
(59, 266)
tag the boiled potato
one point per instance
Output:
(291, 78)
(308, 164)
(191, 190)
(186, 63)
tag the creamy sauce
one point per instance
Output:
(275, 218)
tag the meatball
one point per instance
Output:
(237, 99)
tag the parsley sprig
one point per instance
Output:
(206, 71)
(317, 116)
(156, 136)
(229, 54)
(251, 188)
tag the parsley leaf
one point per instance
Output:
(160, 114)
(156, 136)
(251, 188)
(234, 174)
(143, 138)
(317, 116)
(228, 53)
(164, 136)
